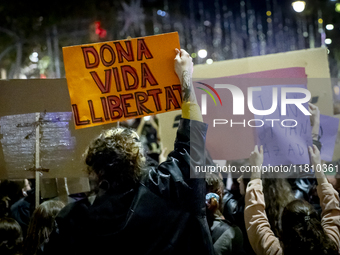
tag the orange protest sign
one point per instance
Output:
(119, 80)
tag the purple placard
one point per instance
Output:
(233, 142)
(282, 145)
(328, 133)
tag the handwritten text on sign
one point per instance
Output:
(283, 145)
(119, 80)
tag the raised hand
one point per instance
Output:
(256, 160)
(314, 120)
(184, 69)
(256, 156)
(314, 155)
(315, 158)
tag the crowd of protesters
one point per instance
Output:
(143, 207)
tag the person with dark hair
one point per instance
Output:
(10, 192)
(302, 231)
(10, 237)
(227, 237)
(302, 228)
(277, 194)
(159, 210)
(40, 226)
(305, 183)
(23, 209)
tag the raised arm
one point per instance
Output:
(189, 148)
(184, 70)
(329, 199)
(260, 235)
(315, 120)
(256, 160)
(176, 178)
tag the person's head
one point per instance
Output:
(302, 232)
(117, 158)
(10, 192)
(41, 224)
(10, 236)
(214, 186)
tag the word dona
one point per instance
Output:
(238, 100)
(289, 123)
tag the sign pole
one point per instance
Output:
(37, 160)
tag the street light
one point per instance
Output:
(299, 6)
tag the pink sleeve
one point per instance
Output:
(260, 235)
(329, 201)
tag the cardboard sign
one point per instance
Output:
(48, 188)
(328, 133)
(48, 97)
(314, 61)
(119, 80)
(19, 141)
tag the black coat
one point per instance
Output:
(164, 214)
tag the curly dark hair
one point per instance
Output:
(302, 232)
(117, 157)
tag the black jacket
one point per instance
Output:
(164, 214)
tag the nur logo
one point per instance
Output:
(238, 99)
(204, 97)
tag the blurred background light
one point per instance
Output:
(209, 61)
(329, 26)
(337, 7)
(328, 41)
(202, 53)
(207, 23)
(34, 57)
(161, 13)
(299, 6)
